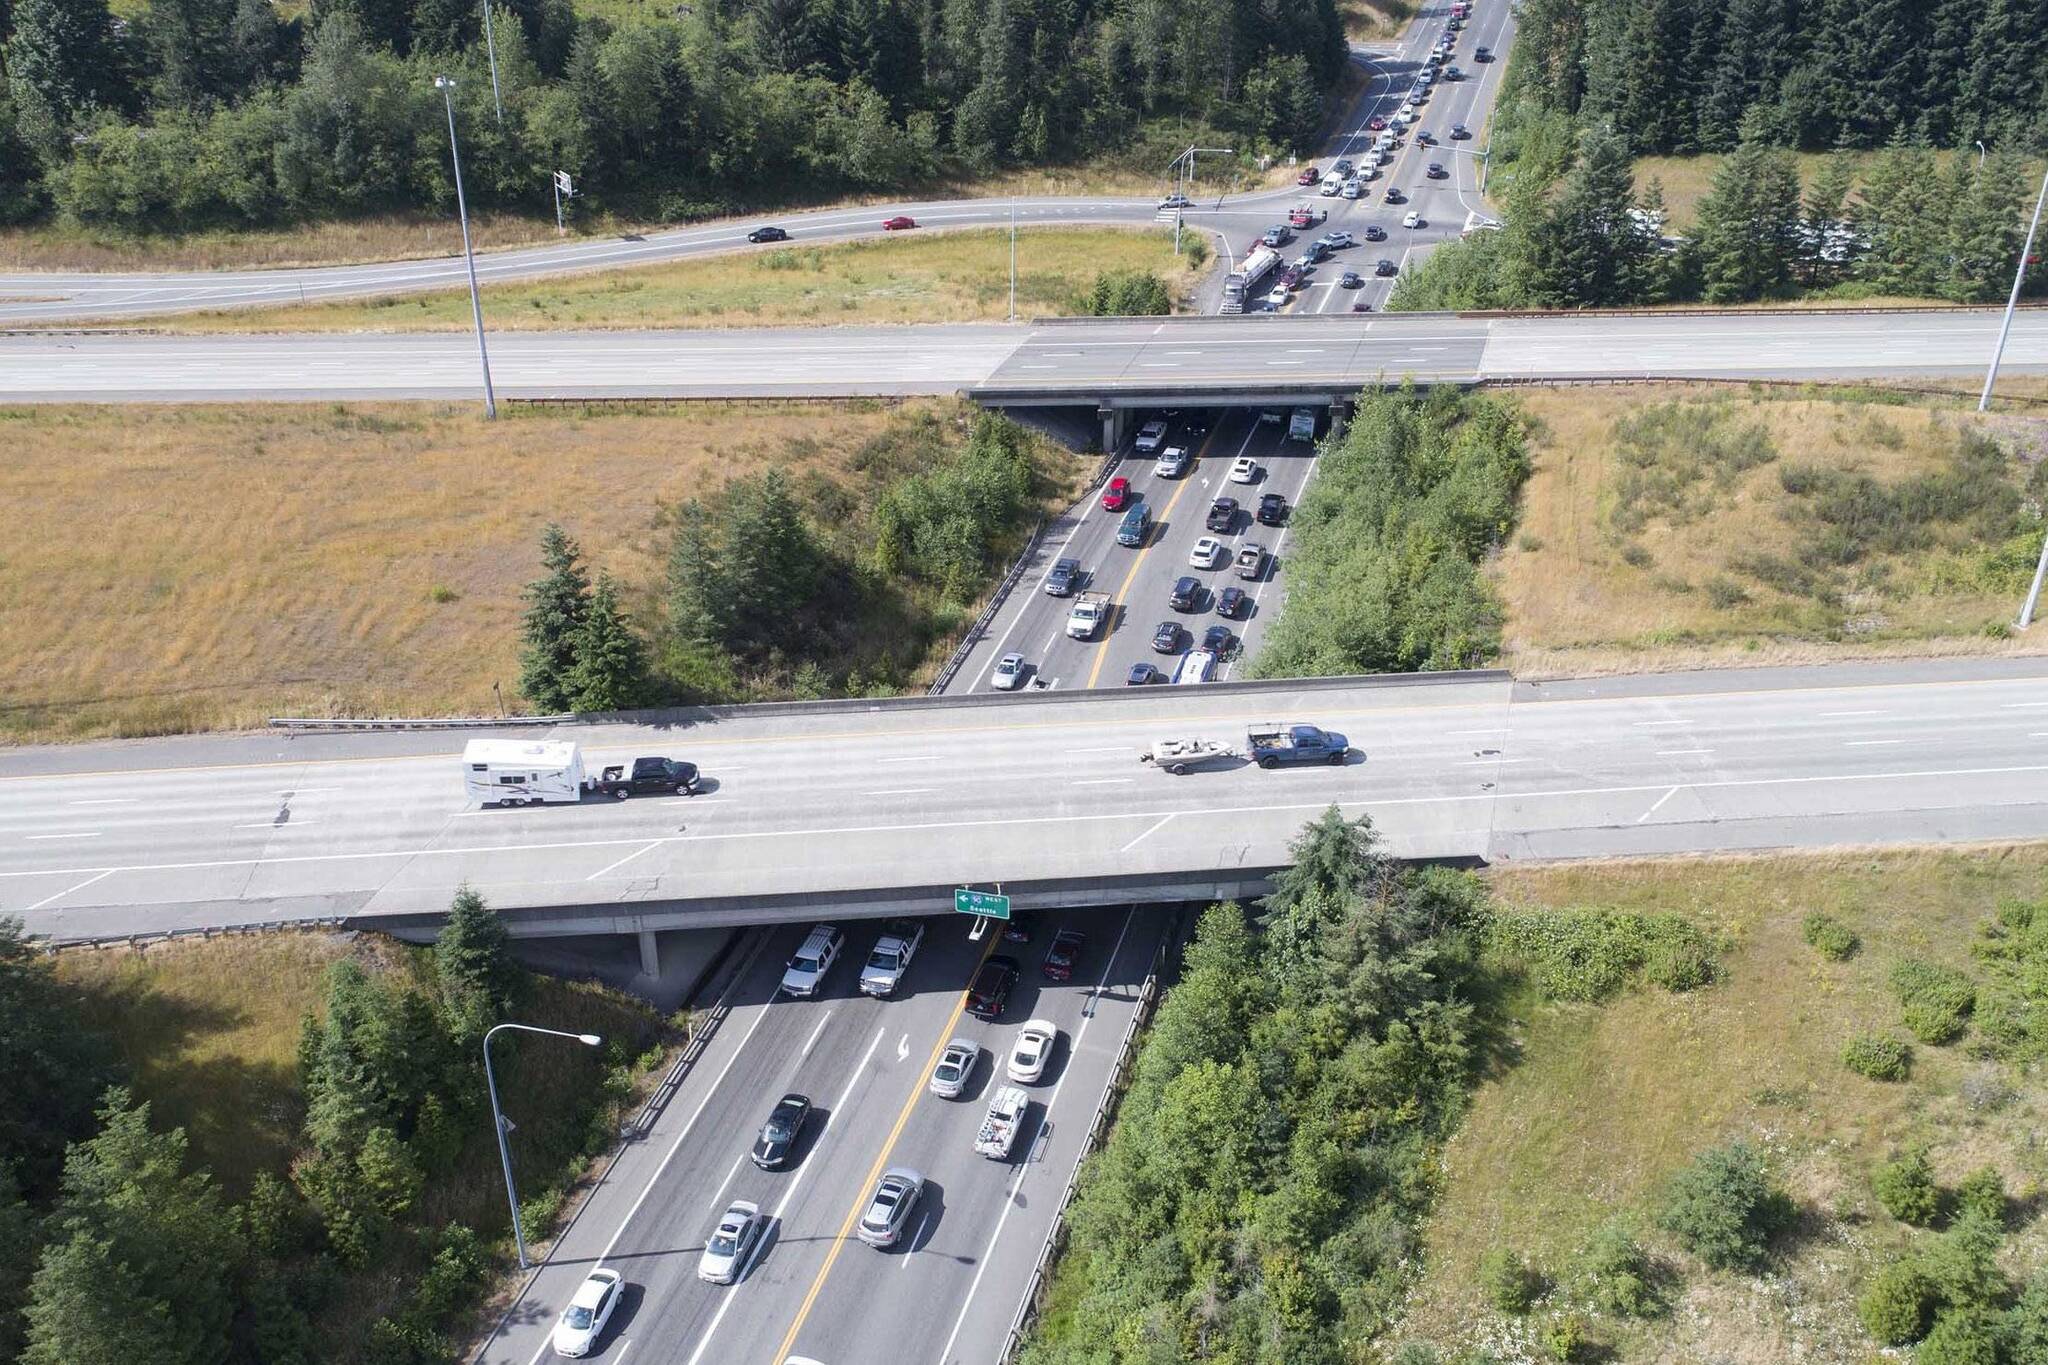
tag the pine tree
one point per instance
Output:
(1332, 861)
(696, 580)
(1904, 216)
(60, 65)
(556, 605)
(52, 1066)
(1748, 238)
(1826, 244)
(1591, 247)
(479, 980)
(611, 662)
(17, 1260)
(140, 1264)
(1987, 228)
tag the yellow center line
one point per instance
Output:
(1102, 652)
(860, 1198)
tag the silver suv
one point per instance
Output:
(891, 956)
(889, 1211)
(806, 969)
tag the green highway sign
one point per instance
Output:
(981, 903)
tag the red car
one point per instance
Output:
(1308, 177)
(1376, 123)
(898, 223)
(1063, 954)
(1117, 494)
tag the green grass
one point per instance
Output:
(1602, 1104)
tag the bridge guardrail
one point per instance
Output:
(404, 723)
(50, 943)
(1507, 314)
(988, 613)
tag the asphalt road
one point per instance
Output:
(949, 1292)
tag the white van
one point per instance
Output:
(522, 772)
(1353, 188)
(1196, 666)
(1332, 185)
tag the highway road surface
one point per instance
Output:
(118, 838)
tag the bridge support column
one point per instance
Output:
(1114, 421)
(650, 954)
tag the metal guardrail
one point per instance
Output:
(1508, 314)
(50, 943)
(403, 723)
(1112, 1094)
(988, 613)
(1798, 385)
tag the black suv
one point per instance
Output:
(1272, 510)
(991, 988)
(1186, 594)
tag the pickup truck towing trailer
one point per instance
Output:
(1005, 1116)
(1089, 612)
(531, 772)
(647, 777)
(1269, 746)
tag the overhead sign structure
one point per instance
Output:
(987, 904)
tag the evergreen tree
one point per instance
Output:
(52, 1066)
(1749, 234)
(770, 566)
(1333, 862)
(557, 603)
(60, 63)
(1590, 249)
(17, 1260)
(1903, 215)
(611, 663)
(479, 979)
(696, 587)
(140, 1262)
(1987, 228)
(371, 1062)
(1826, 236)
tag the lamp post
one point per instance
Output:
(1182, 168)
(446, 84)
(504, 1126)
(2019, 277)
(1013, 257)
(491, 47)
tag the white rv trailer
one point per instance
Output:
(516, 772)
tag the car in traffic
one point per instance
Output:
(768, 234)
(1451, 73)
(1186, 594)
(1207, 553)
(1278, 235)
(777, 1138)
(1375, 233)
(731, 1242)
(1196, 666)
(1482, 54)
(891, 957)
(1341, 166)
(955, 1068)
(1459, 132)
(1064, 952)
(590, 1308)
(1272, 510)
(1305, 215)
(1131, 530)
(1351, 279)
(1151, 436)
(1244, 469)
(989, 992)
(1218, 640)
(888, 1211)
(1336, 239)
(1009, 673)
(1176, 201)
(1277, 297)
(806, 969)
(1142, 675)
(1166, 639)
(1251, 560)
(1033, 1049)
(1063, 578)
(1020, 926)
(1436, 171)
(1172, 462)
(1222, 515)
(1292, 276)
(1376, 123)
(1232, 602)
(1309, 176)
(901, 222)
(1425, 139)
(1412, 219)
(1117, 494)
(1386, 267)
(1394, 195)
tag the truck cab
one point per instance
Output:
(649, 777)
(1006, 1111)
(891, 956)
(1088, 615)
(1271, 745)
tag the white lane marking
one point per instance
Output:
(1654, 723)
(1159, 364)
(1489, 762)
(903, 1047)
(719, 1194)
(1110, 749)
(624, 1347)
(547, 1345)
(2037, 734)
(1680, 753)
(69, 889)
(910, 1247)
(1150, 830)
(612, 867)
(2022, 705)
(1024, 1167)
(1830, 715)
(1868, 743)
(913, 758)
(902, 791)
(775, 1214)
(1106, 782)
(1660, 803)
(1488, 730)
(277, 824)
(816, 1033)
(1305, 350)
(112, 801)
(89, 834)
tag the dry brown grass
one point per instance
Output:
(203, 567)
(386, 237)
(1367, 21)
(1602, 1104)
(1575, 605)
(959, 276)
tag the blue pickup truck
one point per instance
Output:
(1269, 746)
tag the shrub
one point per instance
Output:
(1128, 293)
(1510, 1282)
(1896, 1306)
(1617, 1275)
(1905, 1186)
(1565, 1337)
(1724, 1208)
(1590, 955)
(1724, 593)
(1831, 938)
(1968, 1336)
(1415, 1353)
(1936, 1000)
(1962, 1264)
(1881, 1059)
(1982, 1193)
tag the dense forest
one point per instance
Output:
(1679, 76)
(221, 112)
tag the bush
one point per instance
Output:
(1617, 1275)
(1936, 1000)
(1830, 937)
(1879, 1058)
(1510, 1282)
(1896, 1306)
(1968, 1336)
(1724, 1208)
(1591, 955)
(1982, 1194)
(1962, 1264)
(1905, 1186)
(1565, 1337)
(1128, 293)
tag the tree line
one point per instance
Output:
(772, 590)
(115, 1246)
(219, 112)
(1681, 76)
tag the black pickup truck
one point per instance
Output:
(648, 777)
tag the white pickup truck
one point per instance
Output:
(1090, 611)
(1005, 1116)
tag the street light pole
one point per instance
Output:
(2013, 301)
(446, 84)
(491, 47)
(498, 1120)
(1013, 257)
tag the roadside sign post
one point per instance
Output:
(564, 189)
(983, 905)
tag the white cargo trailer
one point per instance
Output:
(522, 772)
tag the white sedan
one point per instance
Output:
(734, 1239)
(1009, 674)
(584, 1319)
(955, 1066)
(1412, 219)
(1033, 1050)
(1208, 553)
(1244, 469)
(1277, 298)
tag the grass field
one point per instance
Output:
(1374, 20)
(917, 277)
(220, 564)
(1601, 1104)
(383, 237)
(1686, 562)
